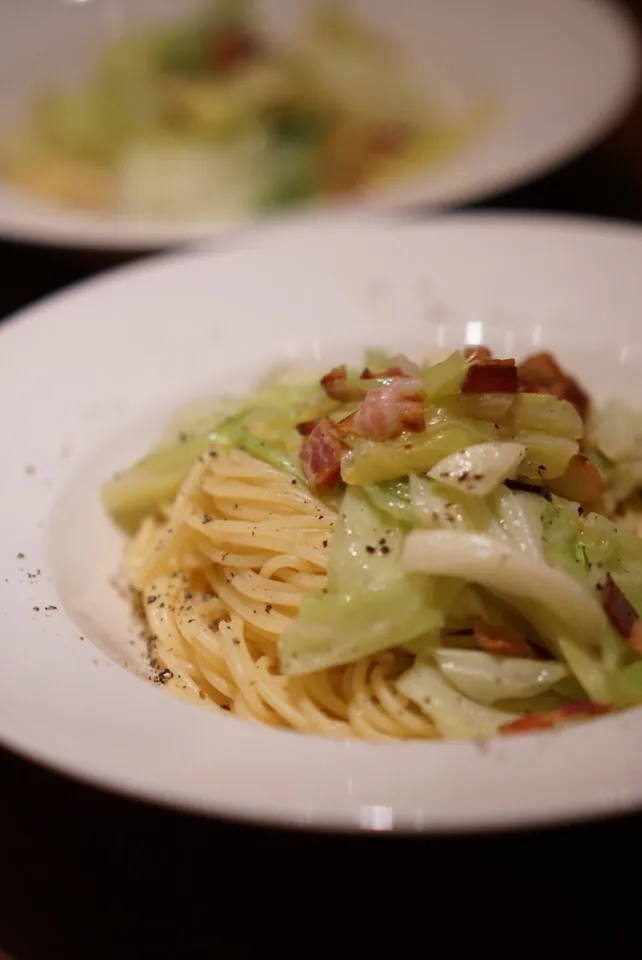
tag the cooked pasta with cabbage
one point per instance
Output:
(214, 117)
(408, 550)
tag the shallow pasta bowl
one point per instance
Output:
(81, 399)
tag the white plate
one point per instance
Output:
(86, 381)
(560, 71)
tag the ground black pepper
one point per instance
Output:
(206, 518)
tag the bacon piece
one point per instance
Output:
(390, 138)
(306, 427)
(541, 373)
(389, 410)
(501, 640)
(338, 387)
(321, 456)
(332, 377)
(491, 376)
(547, 719)
(345, 427)
(582, 482)
(389, 372)
(477, 353)
(229, 49)
(622, 614)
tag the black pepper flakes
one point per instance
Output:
(182, 437)
(213, 453)
(268, 608)
(36, 609)
(165, 675)
(51, 607)
(152, 598)
(325, 543)
(385, 549)
(293, 481)
(369, 548)
(206, 518)
(20, 556)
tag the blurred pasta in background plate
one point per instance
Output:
(211, 117)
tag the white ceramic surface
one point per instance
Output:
(560, 70)
(86, 380)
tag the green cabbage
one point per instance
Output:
(371, 603)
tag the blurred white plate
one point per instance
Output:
(80, 399)
(560, 72)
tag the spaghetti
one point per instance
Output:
(219, 580)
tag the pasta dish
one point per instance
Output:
(404, 550)
(213, 117)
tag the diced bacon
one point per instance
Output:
(501, 640)
(491, 376)
(234, 47)
(389, 410)
(622, 614)
(345, 427)
(321, 456)
(581, 482)
(477, 353)
(541, 373)
(338, 387)
(306, 427)
(547, 719)
(390, 138)
(389, 372)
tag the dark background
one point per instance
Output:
(86, 874)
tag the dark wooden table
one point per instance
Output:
(86, 874)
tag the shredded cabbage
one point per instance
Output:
(487, 678)
(454, 714)
(478, 470)
(371, 603)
